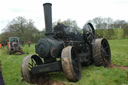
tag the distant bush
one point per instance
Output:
(111, 33)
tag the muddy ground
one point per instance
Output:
(48, 81)
(118, 66)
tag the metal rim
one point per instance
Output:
(89, 33)
(28, 63)
(93, 30)
(71, 64)
(105, 52)
(101, 52)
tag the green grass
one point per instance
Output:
(118, 33)
(119, 49)
(91, 75)
(11, 65)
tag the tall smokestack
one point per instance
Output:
(48, 17)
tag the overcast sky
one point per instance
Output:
(79, 10)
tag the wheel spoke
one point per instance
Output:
(29, 66)
(33, 62)
(106, 47)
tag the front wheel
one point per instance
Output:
(27, 64)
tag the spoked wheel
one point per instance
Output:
(89, 33)
(71, 64)
(101, 52)
(28, 63)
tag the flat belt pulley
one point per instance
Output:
(71, 64)
(27, 64)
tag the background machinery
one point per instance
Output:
(14, 46)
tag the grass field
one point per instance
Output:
(91, 75)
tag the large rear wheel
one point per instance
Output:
(101, 52)
(71, 64)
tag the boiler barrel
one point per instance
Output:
(49, 47)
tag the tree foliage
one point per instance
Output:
(22, 28)
(71, 23)
(105, 27)
(26, 31)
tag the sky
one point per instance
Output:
(79, 10)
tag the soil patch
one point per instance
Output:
(118, 66)
(46, 80)
(49, 82)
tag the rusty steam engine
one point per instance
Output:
(65, 49)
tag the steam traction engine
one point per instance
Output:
(14, 46)
(65, 49)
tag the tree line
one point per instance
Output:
(22, 28)
(26, 31)
(109, 28)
